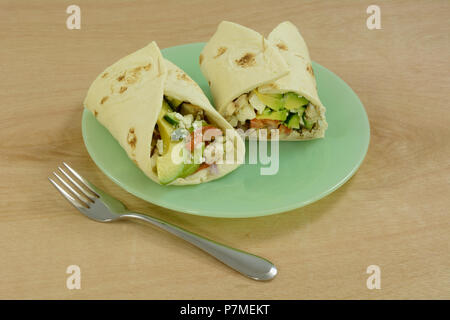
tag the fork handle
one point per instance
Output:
(248, 264)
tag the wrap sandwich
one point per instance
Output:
(260, 83)
(163, 120)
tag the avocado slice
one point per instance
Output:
(165, 108)
(166, 169)
(308, 123)
(165, 128)
(189, 169)
(273, 101)
(301, 111)
(273, 115)
(294, 102)
(294, 121)
(174, 103)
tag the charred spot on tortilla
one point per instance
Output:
(104, 100)
(105, 75)
(95, 113)
(182, 76)
(147, 67)
(220, 51)
(301, 57)
(131, 138)
(282, 46)
(123, 89)
(209, 83)
(310, 69)
(200, 59)
(133, 78)
(247, 60)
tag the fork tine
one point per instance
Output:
(83, 190)
(68, 186)
(77, 204)
(86, 183)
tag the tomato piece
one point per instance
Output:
(256, 123)
(210, 131)
(284, 130)
(194, 139)
(204, 165)
(264, 123)
(271, 124)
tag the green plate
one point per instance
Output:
(308, 170)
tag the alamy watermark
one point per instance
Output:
(374, 20)
(74, 20)
(374, 280)
(74, 279)
(192, 150)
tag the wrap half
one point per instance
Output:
(263, 95)
(161, 118)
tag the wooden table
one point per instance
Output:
(394, 213)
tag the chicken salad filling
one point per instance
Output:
(292, 114)
(186, 142)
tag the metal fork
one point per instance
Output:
(99, 206)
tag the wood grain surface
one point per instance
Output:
(393, 213)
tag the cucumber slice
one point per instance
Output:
(293, 122)
(170, 118)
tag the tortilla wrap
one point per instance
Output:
(228, 81)
(127, 98)
(238, 59)
(301, 79)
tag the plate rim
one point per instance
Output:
(221, 214)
